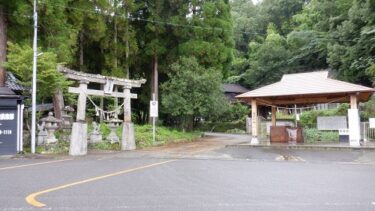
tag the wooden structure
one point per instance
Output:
(308, 88)
(279, 134)
(128, 141)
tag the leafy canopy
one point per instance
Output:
(192, 90)
(20, 59)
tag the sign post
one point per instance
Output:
(154, 111)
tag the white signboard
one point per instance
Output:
(372, 122)
(331, 122)
(154, 111)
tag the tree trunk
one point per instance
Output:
(81, 51)
(127, 72)
(3, 44)
(115, 43)
(58, 104)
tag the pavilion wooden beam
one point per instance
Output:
(308, 100)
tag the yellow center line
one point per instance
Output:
(33, 164)
(31, 199)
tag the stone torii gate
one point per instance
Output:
(78, 143)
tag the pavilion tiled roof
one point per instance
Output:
(234, 88)
(300, 84)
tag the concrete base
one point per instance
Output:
(41, 138)
(254, 141)
(78, 141)
(95, 138)
(128, 139)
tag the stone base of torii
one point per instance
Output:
(78, 142)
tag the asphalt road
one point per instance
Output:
(195, 176)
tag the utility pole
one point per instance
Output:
(33, 104)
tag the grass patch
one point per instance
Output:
(105, 145)
(164, 135)
(61, 147)
(143, 138)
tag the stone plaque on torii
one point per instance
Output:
(78, 143)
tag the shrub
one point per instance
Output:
(309, 118)
(312, 135)
(222, 126)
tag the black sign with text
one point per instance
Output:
(8, 131)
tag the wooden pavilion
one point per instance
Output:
(308, 88)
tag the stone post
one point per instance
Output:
(78, 141)
(81, 106)
(128, 139)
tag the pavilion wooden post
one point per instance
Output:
(78, 139)
(254, 122)
(354, 122)
(128, 139)
(273, 117)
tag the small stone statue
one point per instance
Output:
(42, 133)
(95, 136)
(51, 124)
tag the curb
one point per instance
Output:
(301, 147)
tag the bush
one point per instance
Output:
(223, 127)
(312, 135)
(368, 109)
(105, 145)
(309, 119)
(234, 112)
(61, 147)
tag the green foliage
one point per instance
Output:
(234, 112)
(61, 147)
(48, 79)
(267, 59)
(105, 145)
(368, 109)
(312, 135)
(308, 119)
(164, 135)
(192, 92)
(223, 127)
(236, 131)
(104, 130)
(319, 34)
(212, 44)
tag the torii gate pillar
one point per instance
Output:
(128, 138)
(78, 140)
